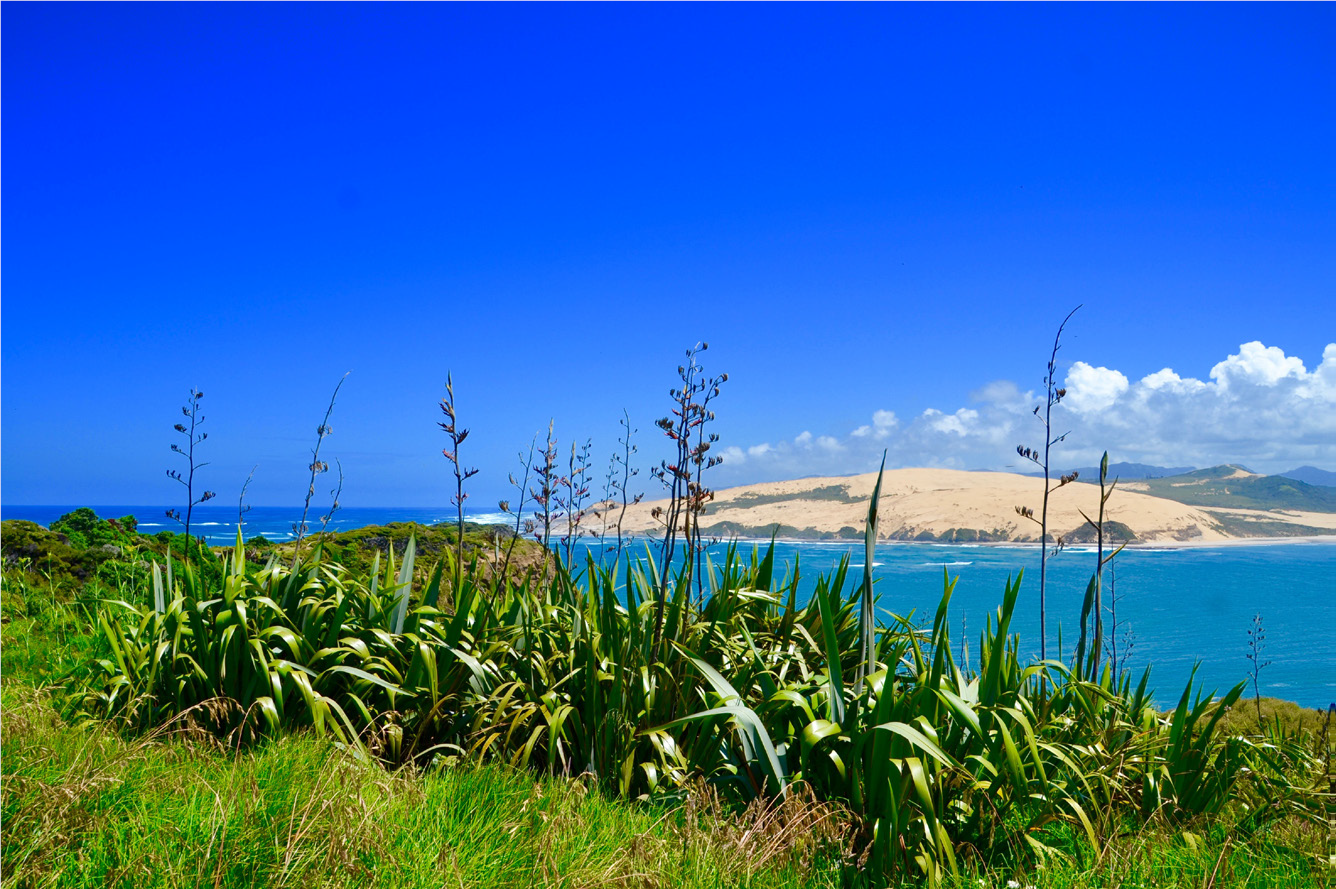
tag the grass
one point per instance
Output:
(1163, 860)
(1292, 719)
(84, 806)
(926, 773)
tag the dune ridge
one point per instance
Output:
(960, 506)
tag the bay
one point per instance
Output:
(1177, 607)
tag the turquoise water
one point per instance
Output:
(1181, 606)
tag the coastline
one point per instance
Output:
(1139, 546)
(1319, 539)
(1189, 600)
(218, 525)
(952, 506)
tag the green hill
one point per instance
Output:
(1234, 487)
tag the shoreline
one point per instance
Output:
(1237, 541)
(490, 518)
(1328, 539)
(954, 506)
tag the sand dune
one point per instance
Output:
(952, 504)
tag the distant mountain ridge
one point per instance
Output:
(1311, 475)
(1130, 471)
(1125, 471)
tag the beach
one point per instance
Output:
(947, 505)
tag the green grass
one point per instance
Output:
(83, 806)
(929, 772)
(1162, 860)
(1290, 717)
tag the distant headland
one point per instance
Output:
(1224, 503)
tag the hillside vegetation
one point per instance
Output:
(1233, 487)
(357, 549)
(418, 722)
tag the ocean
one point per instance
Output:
(1177, 607)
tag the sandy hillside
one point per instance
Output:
(930, 503)
(1138, 485)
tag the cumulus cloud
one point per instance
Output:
(959, 423)
(733, 455)
(1258, 406)
(883, 423)
(1261, 407)
(1093, 388)
(1167, 379)
(1257, 365)
(1324, 378)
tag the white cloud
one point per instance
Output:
(733, 455)
(1263, 409)
(1257, 365)
(1259, 407)
(1323, 381)
(883, 422)
(1093, 388)
(959, 423)
(1167, 379)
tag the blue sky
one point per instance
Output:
(867, 211)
